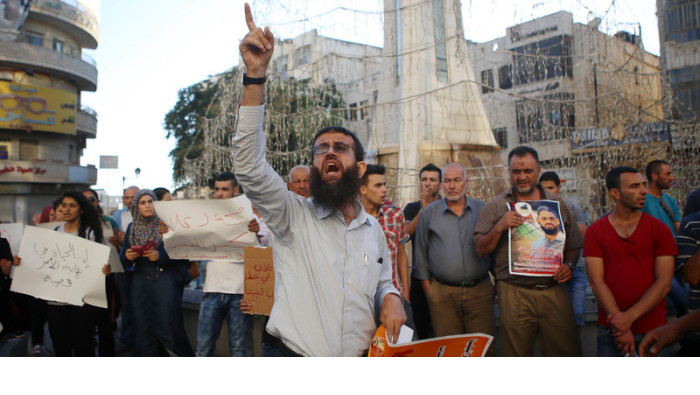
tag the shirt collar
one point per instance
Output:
(443, 204)
(510, 193)
(323, 212)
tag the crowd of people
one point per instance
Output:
(341, 265)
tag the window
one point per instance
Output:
(550, 117)
(303, 56)
(28, 149)
(501, 136)
(58, 45)
(34, 38)
(353, 112)
(487, 81)
(4, 152)
(364, 111)
(543, 60)
(682, 21)
(282, 64)
(505, 77)
(685, 83)
(440, 40)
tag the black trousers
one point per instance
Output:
(72, 330)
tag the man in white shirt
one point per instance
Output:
(332, 264)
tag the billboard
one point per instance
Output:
(29, 107)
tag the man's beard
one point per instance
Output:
(552, 231)
(335, 196)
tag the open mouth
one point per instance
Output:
(331, 167)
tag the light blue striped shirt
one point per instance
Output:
(329, 276)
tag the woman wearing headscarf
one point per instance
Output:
(156, 290)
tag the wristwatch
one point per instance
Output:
(571, 265)
(253, 81)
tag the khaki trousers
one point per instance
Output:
(458, 310)
(526, 313)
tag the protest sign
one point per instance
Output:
(259, 280)
(207, 229)
(467, 345)
(536, 247)
(61, 267)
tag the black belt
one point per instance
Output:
(462, 284)
(536, 287)
(277, 343)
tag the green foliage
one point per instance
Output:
(203, 119)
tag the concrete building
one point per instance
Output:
(43, 127)
(355, 69)
(582, 98)
(679, 36)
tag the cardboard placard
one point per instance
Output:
(259, 279)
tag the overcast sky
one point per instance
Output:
(148, 50)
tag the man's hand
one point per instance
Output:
(425, 284)
(620, 322)
(245, 305)
(562, 274)
(392, 316)
(107, 269)
(625, 342)
(509, 220)
(257, 47)
(253, 226)
(656, 340)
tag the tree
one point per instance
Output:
(204, 117)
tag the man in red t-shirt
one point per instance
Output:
(629, 258)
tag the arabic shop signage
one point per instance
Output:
(28, 171)
(642, 133)
(29, 107)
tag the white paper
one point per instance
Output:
(405, 335)
(114, 261)
(61, 267)
(207, 229)
(127, 219)
(13, 233)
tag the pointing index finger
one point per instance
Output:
(249, 18)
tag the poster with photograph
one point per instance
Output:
(536, 247)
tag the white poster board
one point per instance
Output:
(61, 267)
(207, 229)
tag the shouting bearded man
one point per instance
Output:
(332, 264)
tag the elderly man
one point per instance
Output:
(455, 278)
(528, 305)
(299, 180)
(332, 264)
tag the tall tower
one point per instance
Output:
(429, 106)
(43, 126)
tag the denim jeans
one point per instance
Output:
(577, 290)
(126, 335)
(213, 310)
(606, 344)
(158, 316)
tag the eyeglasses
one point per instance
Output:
(338, 148)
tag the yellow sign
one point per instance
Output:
(28, 107)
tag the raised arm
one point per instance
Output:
(256, 51)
